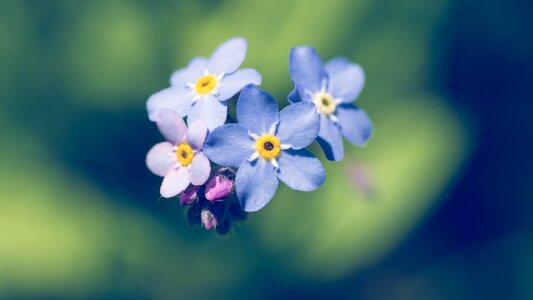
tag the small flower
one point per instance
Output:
(332, 88)
(201, 90)
(267, 145)
(189, 195)
(209, 220)
(180, 160)
(220, 185)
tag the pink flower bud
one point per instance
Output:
(209, 221)
(218, 187)
(189, 195)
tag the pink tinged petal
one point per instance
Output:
(173, 98)
(189, 195)
(196, 134)
(176, 180)
(218, 188)
(200, 169)
(189, 74)
(234, 83)
(171, 126)
(161, 158)
(228, 56)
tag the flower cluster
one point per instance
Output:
(264, 146)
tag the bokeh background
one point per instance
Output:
(437, 206)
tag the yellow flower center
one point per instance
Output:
(205, 84)
(324, 103)
(184, 154)
(268, 146)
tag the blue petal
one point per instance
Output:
(229, 145)
(300, 170)
(228, 57)
(355, 124)
(173, 98)
(190, 74)
(307, 70)
(294, 96)
(256, 183)
(330, 139)
(209, 109)
(346, 79)
(298, 125)
(234, 83)
(257, 110)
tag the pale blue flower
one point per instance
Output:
(267, 145)
(201, 90)
(332, 88)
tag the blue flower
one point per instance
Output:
(332, 88)
(267, 145)
(200, 90)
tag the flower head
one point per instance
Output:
(180, 159)
(267, 145)
(332, 88)
(201, 90)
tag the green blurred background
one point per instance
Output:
(437, 206)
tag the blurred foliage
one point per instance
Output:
(80, 213)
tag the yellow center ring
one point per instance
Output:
(184, 154)
(268, 146)
(205, 84)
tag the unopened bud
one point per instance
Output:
(189, 195)
(219, 187)
(209, 221)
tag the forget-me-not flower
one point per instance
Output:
(332, 88)
(267, 145)
(180, 159)
(201, 90)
